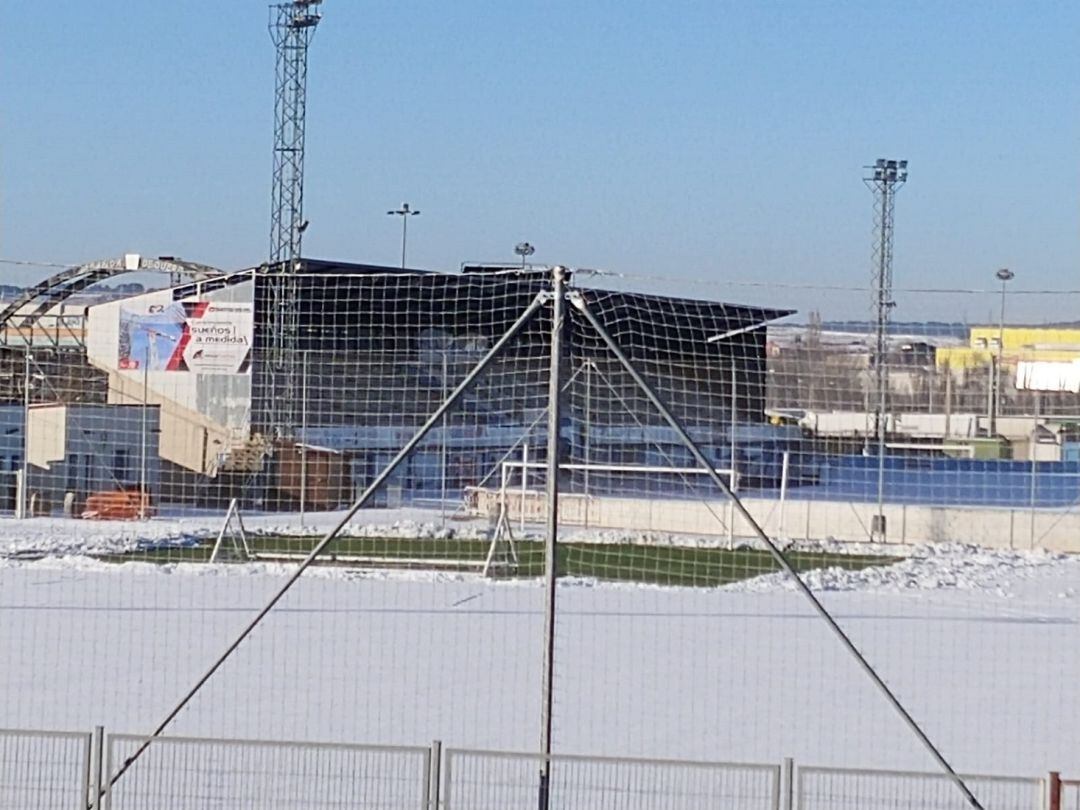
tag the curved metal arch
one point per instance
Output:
(66, 283)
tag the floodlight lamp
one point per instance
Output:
(879, 163)
(1005, 274)
(903, 164)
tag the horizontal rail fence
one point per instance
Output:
(856, 789)
(490, 780)
(45, 770)
(189, 773)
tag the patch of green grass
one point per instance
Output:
(659, 565)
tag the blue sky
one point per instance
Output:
(714, 141)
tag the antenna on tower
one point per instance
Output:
(292, 26)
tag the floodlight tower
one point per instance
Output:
(292, 26)
(885, 178)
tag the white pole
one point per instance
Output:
(1034, 462)
(731, 472)
(303, 434)
(731, 475)
(783, 490)
(504, 480)
(24, 484)
(524, 482)
(142, 449)
(588, 417)
(442, 447)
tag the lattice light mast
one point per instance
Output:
(292, 26)
(885, 178)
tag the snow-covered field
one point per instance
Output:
(983, 647)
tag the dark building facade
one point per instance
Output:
(375, 351)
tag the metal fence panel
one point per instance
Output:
(849, 788)
(45, 770)
(188, 773)
(491, 780)
(1070, 794)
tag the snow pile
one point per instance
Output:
(48, 536)
(951, 566)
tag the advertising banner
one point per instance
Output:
(200, 337)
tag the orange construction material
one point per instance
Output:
(117, 506)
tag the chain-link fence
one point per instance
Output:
(487, 780)
(45, 770)
(844, 788)
(199, 774)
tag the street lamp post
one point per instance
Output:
(1004, 275)
(524, 250)
(404, 212)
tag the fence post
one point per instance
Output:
(787, 784)
(97, 770)
(1055, 791)
(434, 775)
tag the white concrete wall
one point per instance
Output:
(1051, 529)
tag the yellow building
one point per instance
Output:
(1020, 343)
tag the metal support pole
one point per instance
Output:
(1034, 464)
(948, 402)
(731, 445)
(442, 447)
(97, 768)
(329, 537)
(882, 416)
(996, 410)
(783, 490)
(732, 480)
(787, 784)
(303, 434)
(524, 483)
(551, 550)
(435, 775)
(142, 451)
(778, 556)
(24, 484)
(585, 433)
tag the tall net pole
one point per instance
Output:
(292, 26)
(884, 180)
(551, 550)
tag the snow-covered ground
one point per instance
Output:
(983, 647)
(65, 536)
